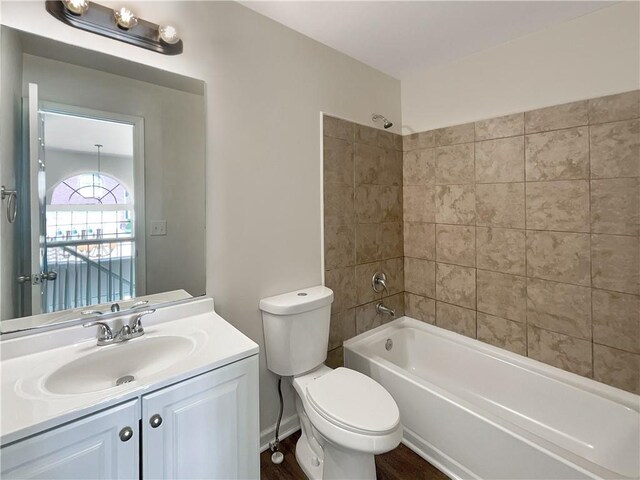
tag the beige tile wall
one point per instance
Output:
(523, 232)
(362, 226)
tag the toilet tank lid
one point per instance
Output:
(300, 301)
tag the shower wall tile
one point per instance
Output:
(378, 241)
(616, 263)
(501, 250)
(456, 285)
(420, 308)
(338, 204)
(616, 320)
(419, 167)
(560, 205)
(343, 283)
(559, 307)
(420, 277)
(562, 351)
(455, 204)
(500, 205)
(613, 108)
(367, 316)
(363, 213)
(541, 243)
(419, 203)
(420, 240)
(377, 166)
(456, 244)
(343, 327)
(615, 150)
(394, 270)
(616, 367)
(419, 140)
(364, 273)
(455, 134)
(506, 126)
(500, 160)
(557, 117)
(337, 128)
(366, 135)
(502, 295)
(378, 203)
(557, 155)
(457, 319)
(454, 164)
(615, 206)
(339, 246)
(335, 358)
(338, 161)
(502, 333)
(557, 256)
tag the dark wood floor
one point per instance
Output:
(399, 464)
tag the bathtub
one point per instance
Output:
(477, 411)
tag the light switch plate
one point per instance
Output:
(158, 227)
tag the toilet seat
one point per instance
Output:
(354, 402)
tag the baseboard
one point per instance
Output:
(288, 426)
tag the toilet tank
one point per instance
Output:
(296, 329)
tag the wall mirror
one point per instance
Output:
(107, 159)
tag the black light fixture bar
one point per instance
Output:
(101, 20)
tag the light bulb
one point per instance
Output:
(77, 7)
(168, 34)
(125, 18)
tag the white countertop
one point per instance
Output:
(27, 407)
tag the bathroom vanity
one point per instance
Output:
(180, 401)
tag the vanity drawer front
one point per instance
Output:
(204, 427)
(104, 445)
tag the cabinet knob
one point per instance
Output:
(155, 421)
(126, 433)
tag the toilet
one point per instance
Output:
(345, 416)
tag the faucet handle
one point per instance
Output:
(137, 304)
(379, 282)
(136, 325)
(105, 331)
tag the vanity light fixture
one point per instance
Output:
(77, 7)
(168, 34)
(125, 18)
(120, 24)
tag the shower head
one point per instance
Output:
(385, 123)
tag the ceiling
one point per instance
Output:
(404, 37)
(80, 134)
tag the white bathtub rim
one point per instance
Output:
(559, 453)
(609, 392)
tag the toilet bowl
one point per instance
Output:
(346, 417)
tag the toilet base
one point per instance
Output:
(322, 460)
(309, 462)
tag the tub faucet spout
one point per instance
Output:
(381, 309)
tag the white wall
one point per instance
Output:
(10, 118)
(266, 87)
(594, 55)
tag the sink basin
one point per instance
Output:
(120, 363)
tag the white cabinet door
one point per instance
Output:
(204, 427)
(90, 448)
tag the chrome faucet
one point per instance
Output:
(127, 332)
(381, 309)
(379, 283)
